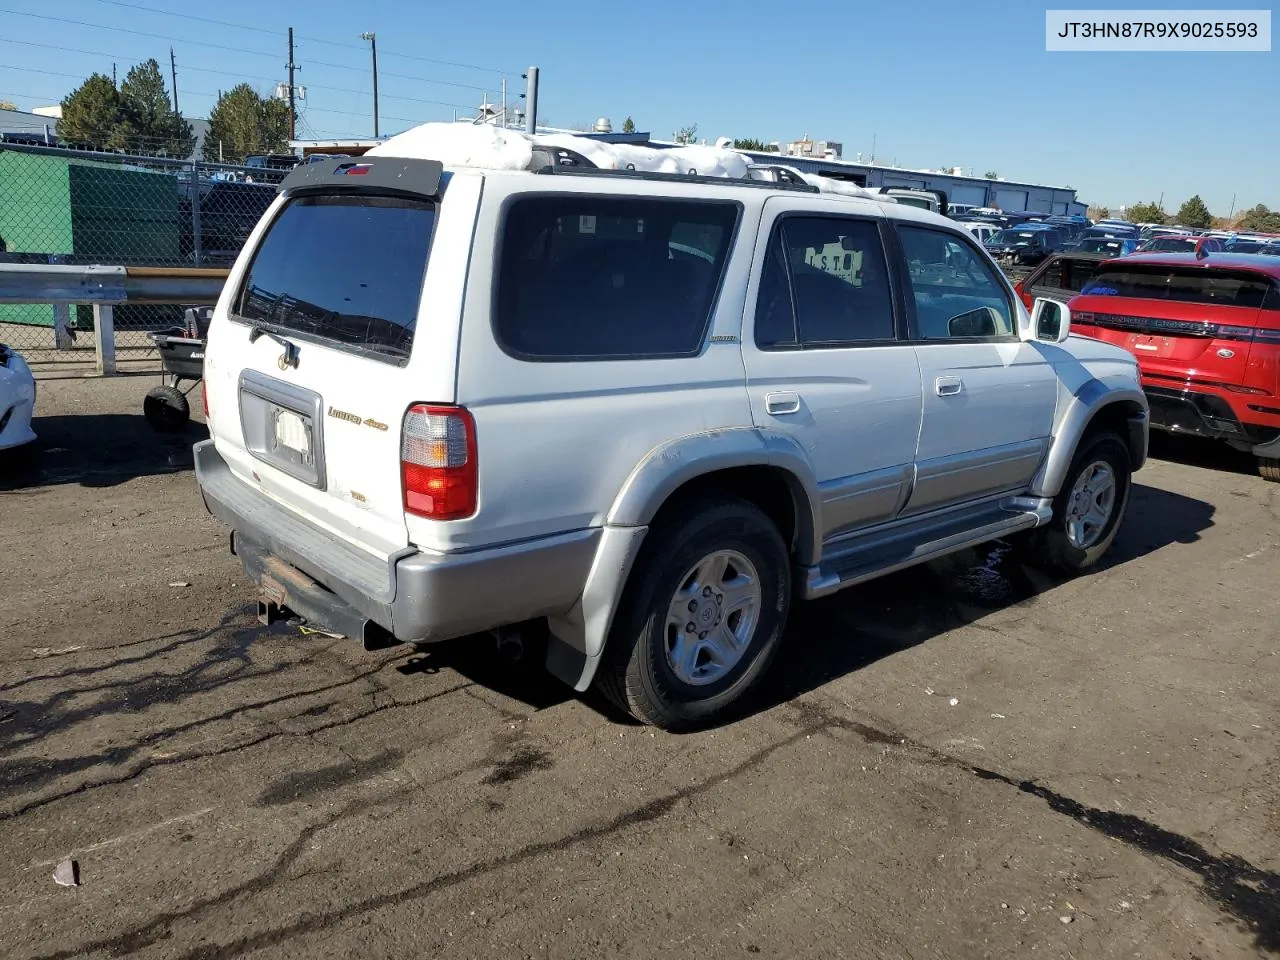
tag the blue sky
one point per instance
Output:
(934, 83)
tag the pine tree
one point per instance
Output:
(145, 103)
(1261, 219)
(1146, 213)
(243, 124)
(628, 125)
(1194, 213)
(91, 116)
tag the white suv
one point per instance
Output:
(645, 411)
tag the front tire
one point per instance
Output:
(1088, 511)
(702, 615)
(1269, 467)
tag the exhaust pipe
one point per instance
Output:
(510, 643)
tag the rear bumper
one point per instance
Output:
(1205, 414)
(414, 595)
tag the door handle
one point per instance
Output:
(782, 403)
(947, 386)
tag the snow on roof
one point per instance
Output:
(488, 147)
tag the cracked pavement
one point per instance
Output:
(230, 790)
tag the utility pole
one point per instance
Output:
(373, 49)
(173, 71)
(531, 101)
(113, 74)
(293, 106)
(504, 103)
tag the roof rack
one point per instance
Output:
(563, 169)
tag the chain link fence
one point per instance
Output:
(81, 207)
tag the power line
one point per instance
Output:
(335, 43)
(202, 93)
(139, 33)
(222, 73)
(317, 63)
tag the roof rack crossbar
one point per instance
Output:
(664, 177)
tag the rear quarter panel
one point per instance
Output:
(558, 440)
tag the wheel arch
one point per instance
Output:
(768, 470)
(1095, 406)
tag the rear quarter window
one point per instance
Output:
(583, 277)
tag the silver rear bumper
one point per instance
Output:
(414, 595)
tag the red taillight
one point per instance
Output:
(438, 462)
(204, 399)
(1023, 295)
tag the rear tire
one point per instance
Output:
(1088, 511)
(724, 569)
(166, 409)
(1269, 467)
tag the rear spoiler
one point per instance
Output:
(397, 175)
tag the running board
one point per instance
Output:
(905, 545)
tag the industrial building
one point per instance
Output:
(1009, 195)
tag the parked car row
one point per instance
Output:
(1029, 242)
(1204, 326)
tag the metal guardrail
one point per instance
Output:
(104, 288)
(64, 206)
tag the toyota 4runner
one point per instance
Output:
(642, 412)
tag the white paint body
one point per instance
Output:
(562, 446)
(18, 400)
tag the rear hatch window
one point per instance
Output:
(345, 271)
(1228, 288)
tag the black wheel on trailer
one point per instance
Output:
(166, 409)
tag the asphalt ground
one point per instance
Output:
(963, 760)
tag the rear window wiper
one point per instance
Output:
(290, 358)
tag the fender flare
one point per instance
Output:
(1086, 403)
(578, 637)
(668, 467)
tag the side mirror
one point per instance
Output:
(1051, 320)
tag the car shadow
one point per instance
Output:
(477, 658)
(97, 450)
(844, 633)
(1201, 452)
(838, 635)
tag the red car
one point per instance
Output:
(1206, 331)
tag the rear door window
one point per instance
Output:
(586, 277)
(825, 283)
(344, 270)
(1228, 288)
